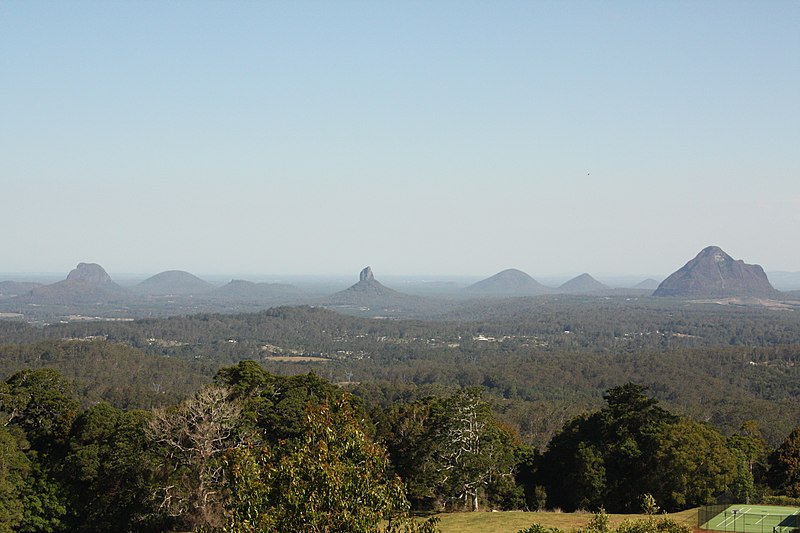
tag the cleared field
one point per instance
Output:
(511, 522)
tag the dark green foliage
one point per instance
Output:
(105, 371)
(785, 466)
(714, 363)
(329, 478)
(607, 458)
(525, 476)
(41, 403)
(108, 471)
(275, 405)
(631, 447)
(44, 503)
(632, 426)
(695, 465)
(14, 471)
(750, 450)
(87, 471)
(452, 453)
(406, 432)
(723, 365)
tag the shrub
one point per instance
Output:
(539, 528)
(651, 524)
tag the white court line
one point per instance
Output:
(733, 517)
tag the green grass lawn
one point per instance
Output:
(511, 522)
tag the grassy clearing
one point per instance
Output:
(511, 522)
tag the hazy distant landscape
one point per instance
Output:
(174, 363)
(89, 291)
(399, 267)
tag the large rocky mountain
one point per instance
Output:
(86, 283)
(368, 290)
(174, 282)
(509, 282)
(583, 284)
(715, 274)
(371, 296)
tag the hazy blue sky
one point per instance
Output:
(429, 137)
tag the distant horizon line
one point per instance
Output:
(379, 274)
(222, 276)
(411, 276)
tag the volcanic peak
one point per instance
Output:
(715, 274)
(366, 275)
(583, 283)
(174, 282)
(509, 281)
(89, 273)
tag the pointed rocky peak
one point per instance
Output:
(90, 273)
(713, 254)
(367, 290)
(715, 274)
(366, 275)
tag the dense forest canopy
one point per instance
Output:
(476, 411)
(541, 360)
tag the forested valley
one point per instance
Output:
(250, 422)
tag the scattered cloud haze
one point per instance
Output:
(417, 137)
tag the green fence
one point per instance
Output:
(706, 513)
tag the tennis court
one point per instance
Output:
(751, 519)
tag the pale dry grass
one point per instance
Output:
(511, 522)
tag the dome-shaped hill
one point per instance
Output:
(647, 285)
(174, 282)
(509, 282)
(239, 290)
(583, 284)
